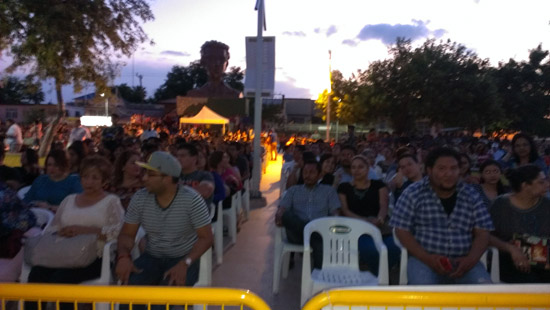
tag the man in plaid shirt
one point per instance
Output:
(444, 224)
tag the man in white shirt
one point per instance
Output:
(14, 136)
(78, 133)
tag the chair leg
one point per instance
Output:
(286, 263)
(277, 256)
(218, 243)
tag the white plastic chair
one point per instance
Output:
(231, 215)
(341, 256)
(246, 199)
(281, 256)
(494, 271)
(23, 191)
(217, 229)
(43, 217)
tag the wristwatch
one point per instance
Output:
(188, 261)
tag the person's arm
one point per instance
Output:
(124, 264)
(384, 201)
(292, 176)
(479, 245)
(285, 204)
(520, 261)
(204, 188)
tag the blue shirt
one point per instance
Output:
(53, 192)
(311, 203)
(419, 211)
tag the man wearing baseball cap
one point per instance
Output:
(176, 220)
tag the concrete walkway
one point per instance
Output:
(249, 263)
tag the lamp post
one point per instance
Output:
(106, 104)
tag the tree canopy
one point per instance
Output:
(445, 83)
(25, 91)
(182, 79)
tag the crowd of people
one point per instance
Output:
(447, 199)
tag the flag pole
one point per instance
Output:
(257, 160)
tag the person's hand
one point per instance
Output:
(520, 261)
(463, 265)
(124, 267)
(434, 262)
(74, 230)
(177, 274)
(398, 179)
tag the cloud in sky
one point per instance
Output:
(175, 53)
(290, 90)
(328, 31)
(349, 42)
(389, 33)
(294, 33)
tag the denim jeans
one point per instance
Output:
(152, 274)
(368, 254)
(294, 228)
(419, 273)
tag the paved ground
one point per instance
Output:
(249, 263)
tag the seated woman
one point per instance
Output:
(127, 177)
(522, 226)
(490, 186)
(368, 200)
(48, 190)
(219, 163)
(328, 166)
(93, 211)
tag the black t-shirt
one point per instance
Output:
(449, 203)
(363, 202)
(327, 179)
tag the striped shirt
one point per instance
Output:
(419, 211)
(171, 231)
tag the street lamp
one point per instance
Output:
(106, 104)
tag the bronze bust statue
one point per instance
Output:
(214, 57)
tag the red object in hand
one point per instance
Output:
(446, 263)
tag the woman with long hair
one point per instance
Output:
(127, 177)
(524, 152)
(491, 185)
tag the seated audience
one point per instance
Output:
(328, 166)
(93, 211)
(367, 200)
(29, 169)
(522, 227)
(408, 172)
(304, 203)
(127, 177)
(444, 224)
(490, 181)
(49, 189)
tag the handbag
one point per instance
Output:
(54, 251)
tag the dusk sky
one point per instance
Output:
(357, 32)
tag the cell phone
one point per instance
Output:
(446, 263)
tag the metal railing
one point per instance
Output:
(455, 297)
(132, 295)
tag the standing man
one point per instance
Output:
(78, 133)
(14, 136)
(444, 224)
(200, 180)
(177, 224)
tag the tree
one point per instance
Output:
(71, 41)
(343, 106)
(26, 91)
(524, 88)
(136, 94)
(182, 79)
(443, 82)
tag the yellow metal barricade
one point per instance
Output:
(401, 299)
(132, 295)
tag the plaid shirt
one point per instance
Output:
(419, 210)
(309, 204)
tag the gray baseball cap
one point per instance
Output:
(162, 162)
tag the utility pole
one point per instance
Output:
(140, 77)
(257, 160)
(328, 96)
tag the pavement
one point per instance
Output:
(249, 263)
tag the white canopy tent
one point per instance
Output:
(205, 116)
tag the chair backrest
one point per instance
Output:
(340, 239)
(23, 191)
(212, 211)
(43, 217)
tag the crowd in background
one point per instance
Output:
(368, 172)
